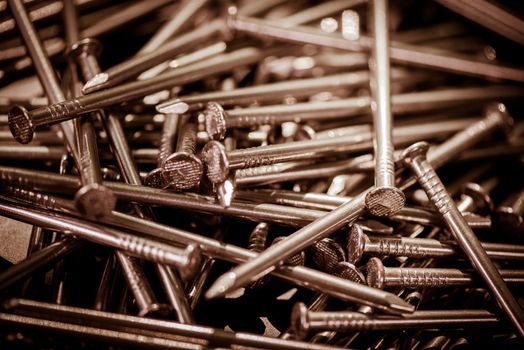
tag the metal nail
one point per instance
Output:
(415, 157)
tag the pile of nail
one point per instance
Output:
(261, 174)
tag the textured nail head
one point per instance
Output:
(216, 161)
(375, 273)
(87, 46)
(419, 149)
(356, 244)
(21, 124)
(155, 179)
(300, 321)
(349, 272)
(215, 121)
(95, 201)
(182, 170)
(327, 253)
(385, 201)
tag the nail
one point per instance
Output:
(23, 122)
(87, 59)
(202, 335)
(316, 203)
(305, 321)
(496, 118)
(359, 244)
(44, 69)
(385, 199)
(155, 177)
(182, 169)
(219, 162)
(185, 260)
(415, 157)
(399, 52)
(219, 120)
(108, 335)
(381, 277)
(326, 254)
(269, 92)
(298, 241)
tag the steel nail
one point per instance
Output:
(360, 244)
(379, 276)
(415, 157)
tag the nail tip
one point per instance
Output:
(95, 83)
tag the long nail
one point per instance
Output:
(496, 118)
(399, 52)
(415, 158)
(195, 334)
(360, 244)
(23, 122)
(385, 199)
(305, 321)
(270, 92)
(379, 276)
(185, 260)
(45, 72)
(218, 119)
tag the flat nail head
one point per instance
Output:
(216, 161)
(95, 201)
(87, 46)
(385, 201)
(356, 243)
(415, 150)
(182, 170)
(156, 179)
(20, 124)
(215, 121)
(300, 321)
(375, 273)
